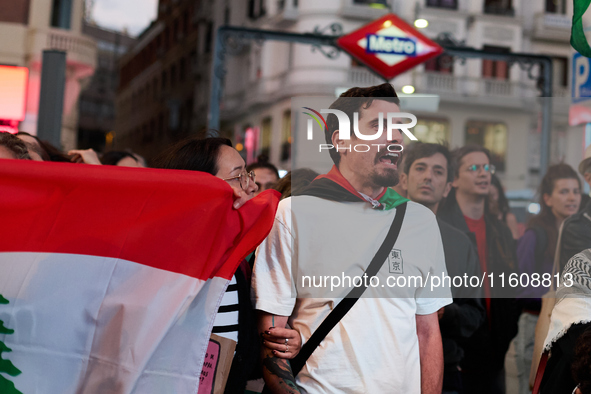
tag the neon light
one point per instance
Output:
(13, 94)
(8, 129)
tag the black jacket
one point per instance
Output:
(576, 235)
(558, 378)
(467, 313)
(486, 349)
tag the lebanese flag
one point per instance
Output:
(114, 275)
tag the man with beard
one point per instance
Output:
(427, 177)
(389, 340)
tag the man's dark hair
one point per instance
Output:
(115, 156)
(14, 145)
(383, 92)
(459, 153)
(193, 154)
(418, 150)
(263, 164)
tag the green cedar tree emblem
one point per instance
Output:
(6, 366)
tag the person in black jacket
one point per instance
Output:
(576, 231)
(427, 180)
(466, 210)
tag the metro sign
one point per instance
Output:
(389, 46)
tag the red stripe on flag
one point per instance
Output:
(179, 221)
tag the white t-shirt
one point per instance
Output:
(374, 348)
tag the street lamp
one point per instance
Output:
(421, 23)
(408, 89)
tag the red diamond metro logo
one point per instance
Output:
(389, 46)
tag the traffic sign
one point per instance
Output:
(389, 46)
(580, 109)
(581, 87)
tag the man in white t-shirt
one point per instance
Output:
(389, 341)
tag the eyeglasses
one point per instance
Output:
(486, 167)
(244, 178)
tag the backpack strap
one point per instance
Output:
(335, 316)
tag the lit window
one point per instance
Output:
(266, 130)
(286, 136)
(492, 136)
(372, 3)
(434, 131)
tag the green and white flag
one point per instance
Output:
(577, 38)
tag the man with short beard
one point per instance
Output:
(427, 177)
(389, 340)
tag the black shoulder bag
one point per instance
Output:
(298, 362)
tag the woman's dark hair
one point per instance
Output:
(113, 157)
(546, 219)
(15, 145)
(502, 203)
(193, 154)
(47, 151)
(581, 366)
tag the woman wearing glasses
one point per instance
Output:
(235, 318)
(560, 196)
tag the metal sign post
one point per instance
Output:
(51, 98)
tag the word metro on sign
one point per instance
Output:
(389, 46)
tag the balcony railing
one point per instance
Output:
(66, 41)
(361, 76)
(553, 27)
(495, 87)
(439, 83)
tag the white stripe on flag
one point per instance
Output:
(87, 324)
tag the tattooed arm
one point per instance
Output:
(276, 371)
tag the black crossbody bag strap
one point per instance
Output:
(298, 362)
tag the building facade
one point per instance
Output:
(96, 120)
(156, 101)
(487, 102)
(31, 26)
(492, 103)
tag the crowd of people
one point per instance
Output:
(427, 211)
